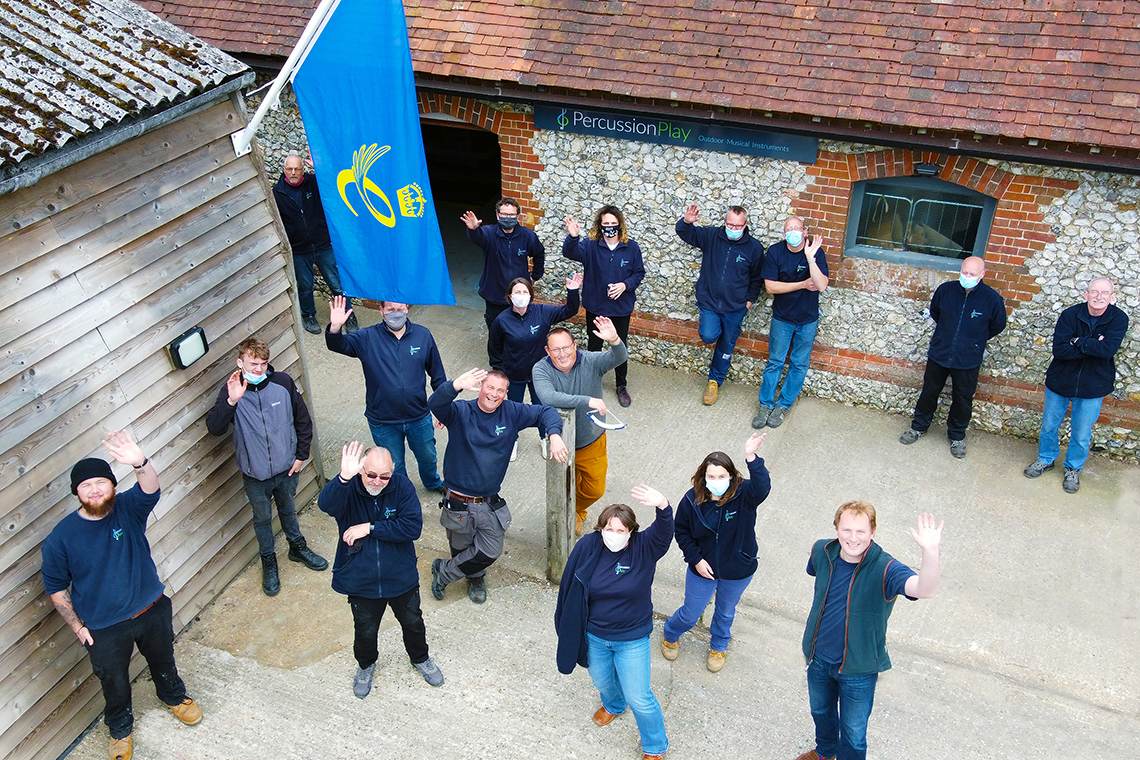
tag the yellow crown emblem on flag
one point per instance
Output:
(412, 200)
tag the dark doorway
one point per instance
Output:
(464, 165)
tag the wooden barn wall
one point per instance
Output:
(101, 266)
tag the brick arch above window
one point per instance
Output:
(1017, 233)
(520, 164)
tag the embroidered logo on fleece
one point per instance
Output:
(499, 429)
(619, 568)
(117, 533)
(729, 515)
(414, 349)
(388, 512)
(975, 314)
(533, 329)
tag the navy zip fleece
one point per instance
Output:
(505, 258)
(724, 535)
(305, 225)
(627, 606)
(1083, 350)
(479, 443)
(965, 321)
(730, 276)
(393, 369)
(603, 267)
(272, 426)
(382, 565)
(520, 340)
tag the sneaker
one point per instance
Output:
(712, 390)
(542, 443)
(1072, 481)
(670, 649)
(477, 590)
(270, 578)
(351, 325)
(761, 418)
(909, 436)
(437, 586)
(623, 396)
(430, 671)
(362, 681)
(300, 552)
(716, 661)
(121, 749)
(1038, 468)
(958, 449)
(187, 711)
(310, 323)
(776, 418)
(515, 451)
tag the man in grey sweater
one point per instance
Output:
(569, 378)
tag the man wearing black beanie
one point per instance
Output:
(98, 570)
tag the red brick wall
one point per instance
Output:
(520, 164)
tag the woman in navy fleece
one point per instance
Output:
(605, 613)
(716, 531)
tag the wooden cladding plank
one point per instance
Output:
(21, 588)
(214, 195)
(27, 244)
(79, 183)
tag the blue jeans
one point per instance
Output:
(698, 592)
(1084, 415)
(303, 264)
(783, 336)
(261, 494)
(620, 670)
(840, 706)
(421, 440)
(723, 329)
(516, 391)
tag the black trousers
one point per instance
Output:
(111, 653)
(965, 382)
(366, 617)
(594, 343)
(492, 311)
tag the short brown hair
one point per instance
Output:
(858, 507)
(622, 512)
(506, 200)
(255, 347)
(520, 281)
(497, 373)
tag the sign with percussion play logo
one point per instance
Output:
(358, 103)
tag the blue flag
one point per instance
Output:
(358, 103)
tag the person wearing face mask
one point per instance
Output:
(395, 355)
(604, 614)
(1081, 374)
(510, 250)
(967, 313)
(378, 516)
(272, 435)
(728, 285)
(795, 273)
(716, 532)
(518, 336)
(613, 268)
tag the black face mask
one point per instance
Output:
(507, 224)
(610, 231)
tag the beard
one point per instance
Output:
(99, 510)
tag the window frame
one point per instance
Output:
(914, 258)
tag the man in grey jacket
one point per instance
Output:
(572, 379)
(272, 435)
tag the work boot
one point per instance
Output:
(623, 396)
(351, 325)
(958, 449)
(438, 587)
(121, 749)
(579, 525)
(813, 755)
(712, 390)
(715, 661)
(300, 552)
(362, 681)
(603, 717)
(310, 323)
(477, 590)
(187, 711)
(270, 580)
(1072, 481)
(670, 649)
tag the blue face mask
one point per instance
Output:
(794, 238)
(254, 379)
(507, 224)
(717, 487)
(969, 283)
(733, 234)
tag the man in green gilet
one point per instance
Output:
(856, 584)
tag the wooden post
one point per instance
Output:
(560, 504)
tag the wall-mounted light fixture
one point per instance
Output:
(188, 347)
(926, 169)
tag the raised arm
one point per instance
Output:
(122, 447)
(929, 538)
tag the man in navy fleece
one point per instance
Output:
(481, 434)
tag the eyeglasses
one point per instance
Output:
(508, 216)
(563, 350)
(378, 476)
(1100, 293)
(735, 226)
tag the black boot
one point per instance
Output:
(477, 590)
(300, 552)
(270, 580)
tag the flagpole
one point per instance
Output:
(242, 138)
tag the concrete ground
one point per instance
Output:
(1029, 649)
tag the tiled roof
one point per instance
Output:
(1052, 70)
(70, 67)
(253, 27)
